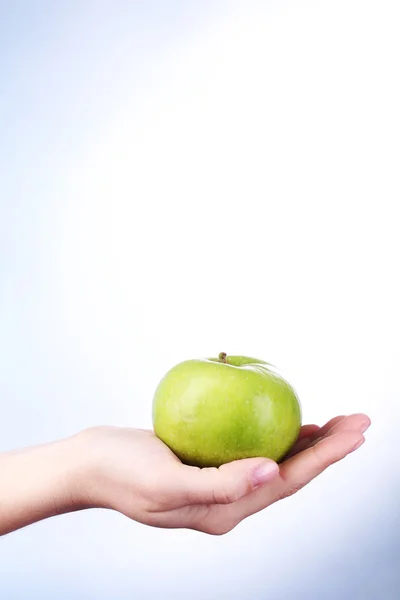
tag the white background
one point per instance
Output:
(178, 181)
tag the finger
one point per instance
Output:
(296, 472)
(328, 426)
(305, 441)
(226, 484)
(356, 422)
(299, 470)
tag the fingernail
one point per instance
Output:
(359, 443)
(264, 472)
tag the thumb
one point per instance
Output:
(229, 482)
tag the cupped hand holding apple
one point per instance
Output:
(134, 472)
(221, 426)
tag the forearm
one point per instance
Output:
(39, 482)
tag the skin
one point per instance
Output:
(133, 472)
(213, 411)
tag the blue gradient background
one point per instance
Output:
(178, 179)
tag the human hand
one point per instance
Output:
(133, 472)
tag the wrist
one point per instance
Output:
(89, 476)
(71, 481)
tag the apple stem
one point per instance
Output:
(222, 357)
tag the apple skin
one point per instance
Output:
(216, 410)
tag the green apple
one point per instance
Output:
(212, 411)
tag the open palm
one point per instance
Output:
(140, 477)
